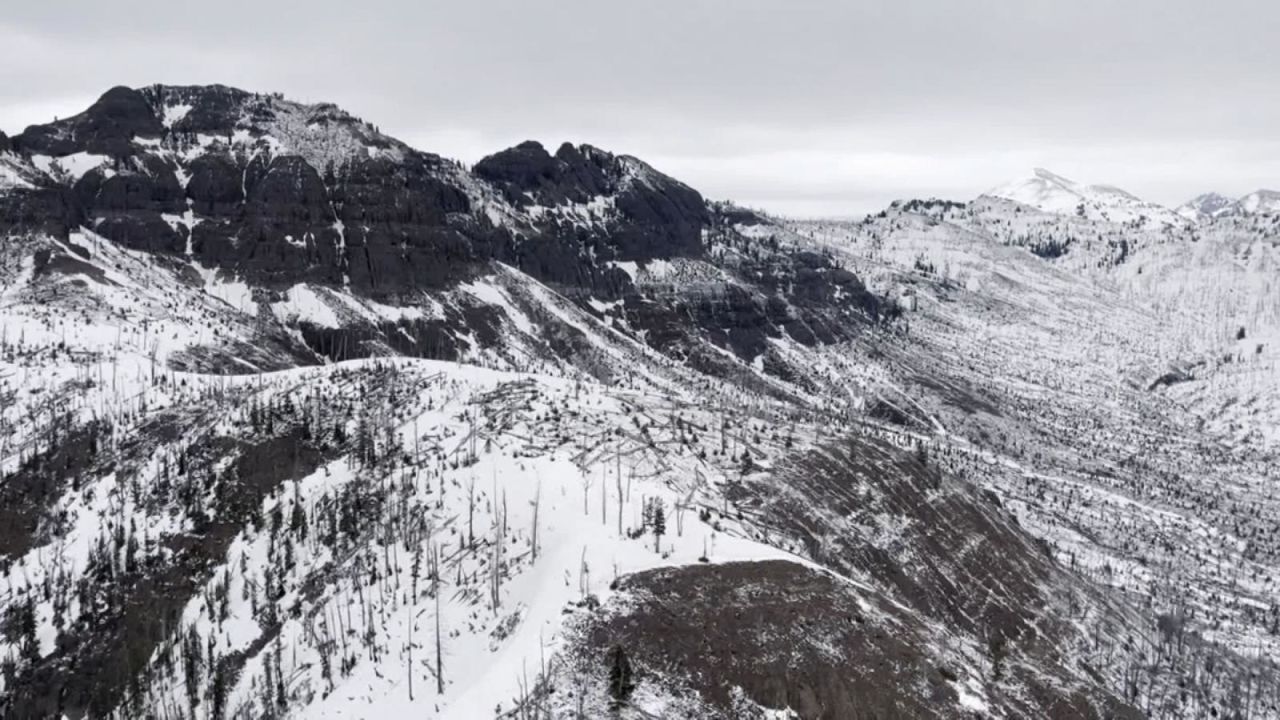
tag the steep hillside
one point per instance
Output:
(1114, 406)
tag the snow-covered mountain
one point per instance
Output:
(297, 420)
(1204, 207)
(1260, 202)
(1212, 205)
(1046, 191)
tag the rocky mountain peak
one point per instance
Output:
(107, 127)
(528, 174)
(279, 192)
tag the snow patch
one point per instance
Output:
(73, 166)
(306, 304)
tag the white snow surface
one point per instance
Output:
(71, 167)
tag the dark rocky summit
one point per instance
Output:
(659, 217)
(108, 127)
(279, 193)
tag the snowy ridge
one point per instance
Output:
(323, 134)
(1046, 191)
(1261, 201)
(1205, 208)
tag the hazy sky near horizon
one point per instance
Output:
(799, 107)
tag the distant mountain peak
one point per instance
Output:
(1050, 192)
(1261, 201)
(1205, 206)
(1208, 206)
(1051, 176)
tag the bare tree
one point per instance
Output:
(435, 581)
(537, 502)
(618, 479)
(413, 601)
(471, 512)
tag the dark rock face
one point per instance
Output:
(528, 174)
(657, 217)
(382, 225)
(801, 296)
(289, 191)
(1173, 377)
(142, 230)
(739, 216)
(49, 211)
(215, 186)
(214, 109)
(273, 219)
(107, 127)
(435, 339)
(5, 144)
(399, 231)
(140, 184)
(664, 220)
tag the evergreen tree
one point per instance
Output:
(621, 682)
(658, 519)
(298, 519)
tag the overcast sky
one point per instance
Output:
(798, 107)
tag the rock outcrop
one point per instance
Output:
(278, 193)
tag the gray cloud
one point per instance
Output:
(801, 107)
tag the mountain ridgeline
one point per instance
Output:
(277, 193)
